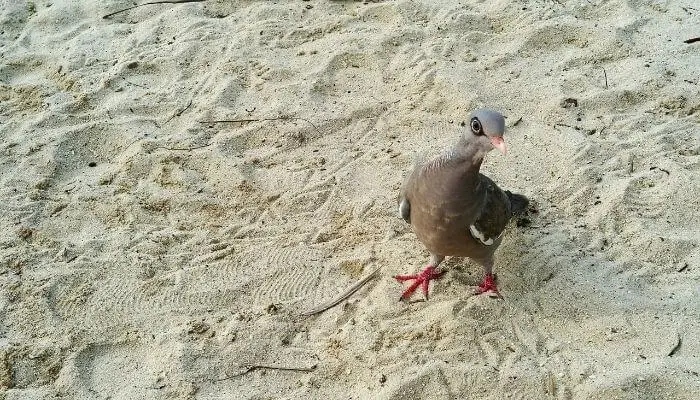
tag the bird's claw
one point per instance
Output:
(421, 279)
(488, 284)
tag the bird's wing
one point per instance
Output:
(405, 209)
(493, 217)
(407, 189)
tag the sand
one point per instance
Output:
(147, 252)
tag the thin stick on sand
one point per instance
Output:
(252, 368)
(152, 3)
(352, 289)
(675, 348)
(247, 120)
(606, 77)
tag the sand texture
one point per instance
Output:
(149, 252)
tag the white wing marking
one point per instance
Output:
(480, 236)
(404, 210)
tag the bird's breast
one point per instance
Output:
(444, 202)
(443, 230)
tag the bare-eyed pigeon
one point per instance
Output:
(456, 211)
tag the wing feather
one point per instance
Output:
(494, 216)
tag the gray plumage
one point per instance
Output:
(453, 208)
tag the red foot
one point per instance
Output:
(488, 285)
(421, 279)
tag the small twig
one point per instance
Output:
(179, 113)
(352, 289)
(606, 77)
(677, 346)
(519, 120)
(135, 84)
(683, 268)
(151, 3)
(247, 120)
(630, 165)
(568, 126)
(692, 40)
(252, 368)
(182, 148)
(660, 169)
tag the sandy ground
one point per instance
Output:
(147, 252)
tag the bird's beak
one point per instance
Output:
(497, 142)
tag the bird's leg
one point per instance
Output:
(422, 278)
(488, 284)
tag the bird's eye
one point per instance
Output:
(476, 127)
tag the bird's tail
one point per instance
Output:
(518, 202)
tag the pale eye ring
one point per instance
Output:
(477, 129)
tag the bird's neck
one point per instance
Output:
(463, 156)
(469, 152)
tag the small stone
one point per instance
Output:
(66, 255)
(198, 327)
(569, 102)
(25, 233)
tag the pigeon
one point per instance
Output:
(454, 210)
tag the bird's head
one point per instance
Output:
(487, 128)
